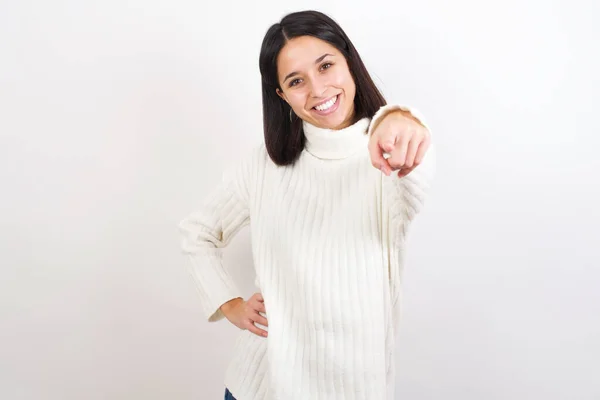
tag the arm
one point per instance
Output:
(402, 133)
(206, 231)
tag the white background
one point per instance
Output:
(117, 117)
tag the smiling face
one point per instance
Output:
(316, 82)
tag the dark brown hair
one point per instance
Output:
(284, 139)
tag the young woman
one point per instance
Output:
(329, 198)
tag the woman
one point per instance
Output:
(327, 228)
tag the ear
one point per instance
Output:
(282, 95)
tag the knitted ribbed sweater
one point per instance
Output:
(328, 239)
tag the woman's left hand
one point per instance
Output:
(402, 139)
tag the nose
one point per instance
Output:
(317, 87)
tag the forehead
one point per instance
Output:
(301, 52)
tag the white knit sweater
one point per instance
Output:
(328, 240)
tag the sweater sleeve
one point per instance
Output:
(208, 229)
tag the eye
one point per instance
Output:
(295, 82)
(326, 65)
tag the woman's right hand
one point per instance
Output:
(244, 314)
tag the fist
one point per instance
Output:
(398, 143)
(244, 314)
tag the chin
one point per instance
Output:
(340, 123)
(334, 122)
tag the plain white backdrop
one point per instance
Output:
(117, 117)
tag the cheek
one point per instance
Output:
(349, 86)
(344, 81)
(297, 99)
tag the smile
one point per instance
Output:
(327, 107)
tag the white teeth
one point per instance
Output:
(326, 106)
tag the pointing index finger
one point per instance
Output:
(377, 157)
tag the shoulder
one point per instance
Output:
(248, 165)
(258, 158)
(259, 153)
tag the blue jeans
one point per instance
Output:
(228, 395)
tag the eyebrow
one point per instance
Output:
(318, 60)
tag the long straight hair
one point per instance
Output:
(284, 135)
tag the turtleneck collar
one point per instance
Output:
(333, 144)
